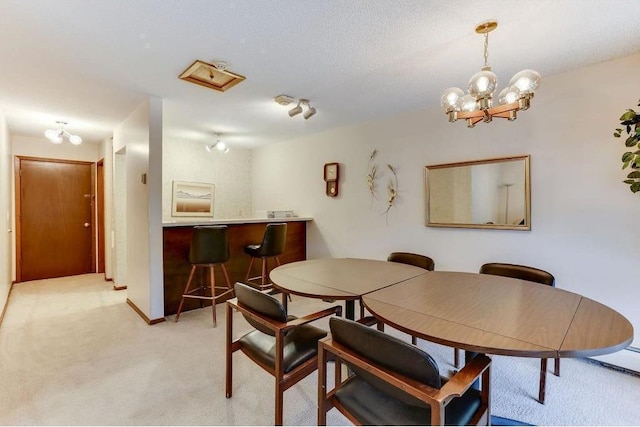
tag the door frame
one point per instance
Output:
(100, 219)
(18, 207)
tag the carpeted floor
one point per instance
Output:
(73, 352)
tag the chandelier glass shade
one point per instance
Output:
(478, 104)
(56, 136)
(218, 145)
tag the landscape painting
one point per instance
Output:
(192, 199)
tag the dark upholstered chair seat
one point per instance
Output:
(300, 345)
(373, 407)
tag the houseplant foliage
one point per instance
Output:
(630, 121)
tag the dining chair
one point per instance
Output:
(391, 382)
(530, 274)
(283, 345)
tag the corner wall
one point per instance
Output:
(6, 210)
(584, 219)
(141, 136)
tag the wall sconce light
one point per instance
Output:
(218, 145)
(286, 100)
(56, 136)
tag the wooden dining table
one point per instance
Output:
(479, 313)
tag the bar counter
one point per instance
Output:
(242, 232)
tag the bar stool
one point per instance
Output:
(273, 241)
(209, 247)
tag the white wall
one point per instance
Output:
(584, 219)
(6, 213)
(141, 134)
(186, 160)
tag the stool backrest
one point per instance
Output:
(274, 239)
(209, 245)
(521, 272)
(417, 260)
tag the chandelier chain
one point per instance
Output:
(486, 49)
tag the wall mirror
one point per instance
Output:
(492, 193)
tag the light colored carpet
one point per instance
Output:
(74, 353)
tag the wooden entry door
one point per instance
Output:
(55, 211)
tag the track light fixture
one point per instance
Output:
(56, 136)
(286, 100)
(218, 145)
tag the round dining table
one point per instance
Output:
(479, 313)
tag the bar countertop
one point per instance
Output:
(194, 221)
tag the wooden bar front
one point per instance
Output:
(176, 241)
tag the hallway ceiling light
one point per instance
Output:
(218, 145)
(286, 100)
(478, 104)
(56, 136)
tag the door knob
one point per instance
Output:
(86, 225)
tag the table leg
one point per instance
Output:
(350, 309)
(468, 356)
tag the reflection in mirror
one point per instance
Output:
(491, 193)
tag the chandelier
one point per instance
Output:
(218, 145)
(478, 104)
(56, 136)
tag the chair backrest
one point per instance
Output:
(388, 352)
(518, 272)
(412, 259)
(274, 239)
(261, 303)
(209, 245)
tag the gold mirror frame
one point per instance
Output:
(499, 198)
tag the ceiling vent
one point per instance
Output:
(214, 76)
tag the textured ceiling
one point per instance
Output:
(90, 63)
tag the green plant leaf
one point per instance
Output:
(629, 181)
(634, 174)
(630, 142)
(617, 135)
(628, 115)
(635, 186)
(626, 164)
(627, 156)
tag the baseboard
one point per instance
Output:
(625, 361)
(6, 303)
(119, 288)
(144, 316)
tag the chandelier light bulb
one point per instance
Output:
(295, 110)
(56, 139)
(451, 99)
(468, 103)
(483, 83)
(221, 146)
(508, 95)
(51, 134)
(75, 140)
(527, 81)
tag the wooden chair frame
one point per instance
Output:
(437, 399)
(282, 380)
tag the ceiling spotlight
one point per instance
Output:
(56, 136)
(310, 112)
(296, 110)
(218, 145)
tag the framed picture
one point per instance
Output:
(192, 199)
